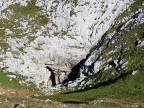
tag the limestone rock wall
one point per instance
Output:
(39, 32)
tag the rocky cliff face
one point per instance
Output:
(119, 53)
(45, 39)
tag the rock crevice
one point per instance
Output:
(57, 74)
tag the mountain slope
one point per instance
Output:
(113, 70)
(120, 51)
(59, 33)
(89, 51)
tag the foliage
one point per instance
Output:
(8, 82)
(15, 83)
(131, 87)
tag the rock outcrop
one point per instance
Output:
(39, 32)
(119, 53)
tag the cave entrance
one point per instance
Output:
(52, 76)
(53, 79)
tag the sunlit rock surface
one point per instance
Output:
(52, 32)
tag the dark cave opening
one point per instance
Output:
(53, 79)
(52, 76)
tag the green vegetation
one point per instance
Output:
(61, 34)
(9, 102)
(133, 8)
(126, 83)
(31, 38)
(4, 45)
(126, 42)
(1, 59)
(31, 15)
(106, 84)
(72, 13)
(136, 5)
(13, 92)
(42, 19)
(22, 10)
(7, 82)
(21, 49)
(130, 87)
(75, 2)
(124, 47)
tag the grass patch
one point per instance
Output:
(131, 87)
(9, 102)
(7, 82)
(24, 10)
(133, 8)
(4, 46)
